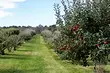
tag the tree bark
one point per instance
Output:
(14, 48)
(98, 68)
(2, 52)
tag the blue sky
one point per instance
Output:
(27, 12)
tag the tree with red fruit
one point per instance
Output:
(88, 23)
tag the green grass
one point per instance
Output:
(25, 60)
(35, 57)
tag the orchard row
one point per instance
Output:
(82, 32)
(11, 38)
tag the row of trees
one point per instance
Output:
(10, 38)
(84, 31)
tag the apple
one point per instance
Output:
(105, 42)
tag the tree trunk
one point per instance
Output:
(99, 68)
(2, 52)
(14, 48)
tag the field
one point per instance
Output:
(35, 57)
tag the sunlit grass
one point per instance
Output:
(24, 60)
(35, 56)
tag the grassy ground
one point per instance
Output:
(35, 57)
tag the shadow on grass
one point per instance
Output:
(15, 56)
(21, 71)
(25, 50)
(28, 45)
(106, 71)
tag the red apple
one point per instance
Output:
(105, 42)
(62, 49)
(76, 27)
(97, 45)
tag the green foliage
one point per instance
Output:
(27, 34)
(85, 31)
(10, 38)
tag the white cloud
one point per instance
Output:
(4, 13)
(15, 0)
(6, 4)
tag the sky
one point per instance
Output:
(27, 12)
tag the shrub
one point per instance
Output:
(27, 34)
(46, 33)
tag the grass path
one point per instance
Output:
(35, 57)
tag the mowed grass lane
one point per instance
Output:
(35, 57)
